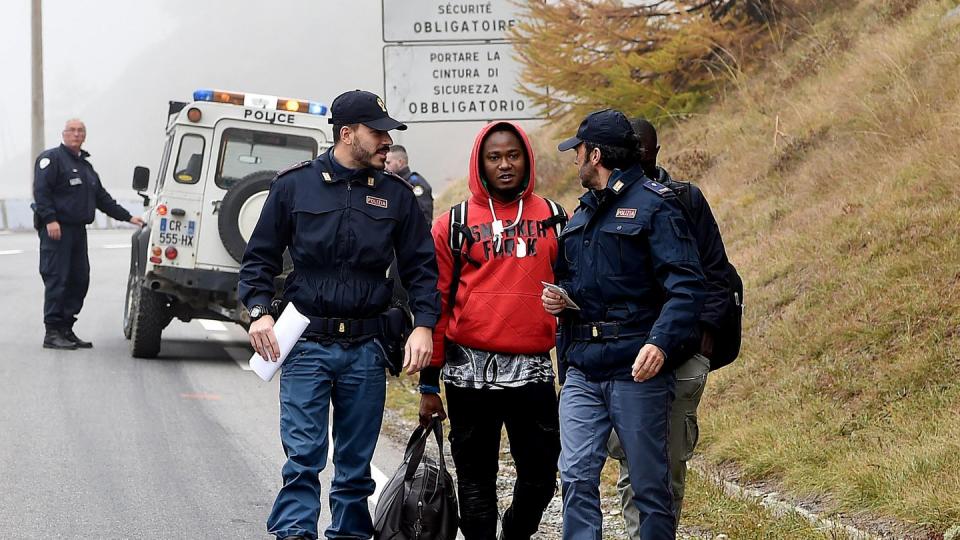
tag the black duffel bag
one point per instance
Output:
(420, 501)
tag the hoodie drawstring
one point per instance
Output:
(499, 229)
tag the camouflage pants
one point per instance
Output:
(684, 433)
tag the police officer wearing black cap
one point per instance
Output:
(630, 264)
(342, 218)
(67, 193)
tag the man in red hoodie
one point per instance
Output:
(493, 344)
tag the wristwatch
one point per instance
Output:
(258, 311)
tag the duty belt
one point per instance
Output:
(604, 331)
(334, 327)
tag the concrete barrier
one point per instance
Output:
(16, 215)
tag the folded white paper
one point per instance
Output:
(288, 329)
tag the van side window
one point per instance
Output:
(189, 159)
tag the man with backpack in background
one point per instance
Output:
(493, 341)
(719, 324)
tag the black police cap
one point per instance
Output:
(608, 127)
(362, 107)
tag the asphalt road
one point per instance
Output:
(97, 444)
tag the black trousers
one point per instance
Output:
(477, 417)
(65, 270)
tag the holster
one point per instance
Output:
(396, 324)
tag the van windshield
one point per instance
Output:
(245, 151)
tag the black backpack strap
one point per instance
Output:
(558, 217)
(459, 235)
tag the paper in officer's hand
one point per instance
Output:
(288, 329)
(556, 289)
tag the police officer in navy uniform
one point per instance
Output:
(398, 162)
(342, 218)
(67, 193)
(629, 262)
(691, 374)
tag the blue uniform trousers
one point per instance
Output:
(640, 414)
(65, 269)
(350, 377)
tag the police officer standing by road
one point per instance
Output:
(67, 193)
(398, 163)
(630, 264)
(341, 218)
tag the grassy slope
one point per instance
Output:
(847, 234)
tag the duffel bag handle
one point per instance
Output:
(417, 445)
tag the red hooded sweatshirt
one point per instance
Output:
(498, 306)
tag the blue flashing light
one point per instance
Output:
(318, 109)
(203, 95)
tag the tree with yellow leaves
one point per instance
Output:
(653, 58)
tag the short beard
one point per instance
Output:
(587, 173)
(365, 157)
(360, 154)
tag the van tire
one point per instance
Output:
(150, 314)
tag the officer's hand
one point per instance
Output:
(553, 303)
(418, 350)
(53, 230)
(136, 221)
(648, 362)
(706, 343)
(263, 339)
(430, 405)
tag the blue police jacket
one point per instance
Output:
(630, 263)
(341, 227)
(67, 190)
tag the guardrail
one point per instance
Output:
(16, 214)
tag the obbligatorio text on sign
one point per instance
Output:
(472, 106)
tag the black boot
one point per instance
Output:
(56, 340)
(81, 344)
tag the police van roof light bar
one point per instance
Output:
(261, 101)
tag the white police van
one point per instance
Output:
(223, 149)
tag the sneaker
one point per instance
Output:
(81, 344)
(54, 339)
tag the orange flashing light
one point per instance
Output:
(162, 210)
(194, 114)
(156, 251)
(293, 105)
(229, 97)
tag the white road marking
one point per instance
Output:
(212, 326)
(11, 252)
(381, 480)
(116, 246)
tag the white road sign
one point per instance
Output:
(442, 83)
(452, 20)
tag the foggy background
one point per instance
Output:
(115, 64)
